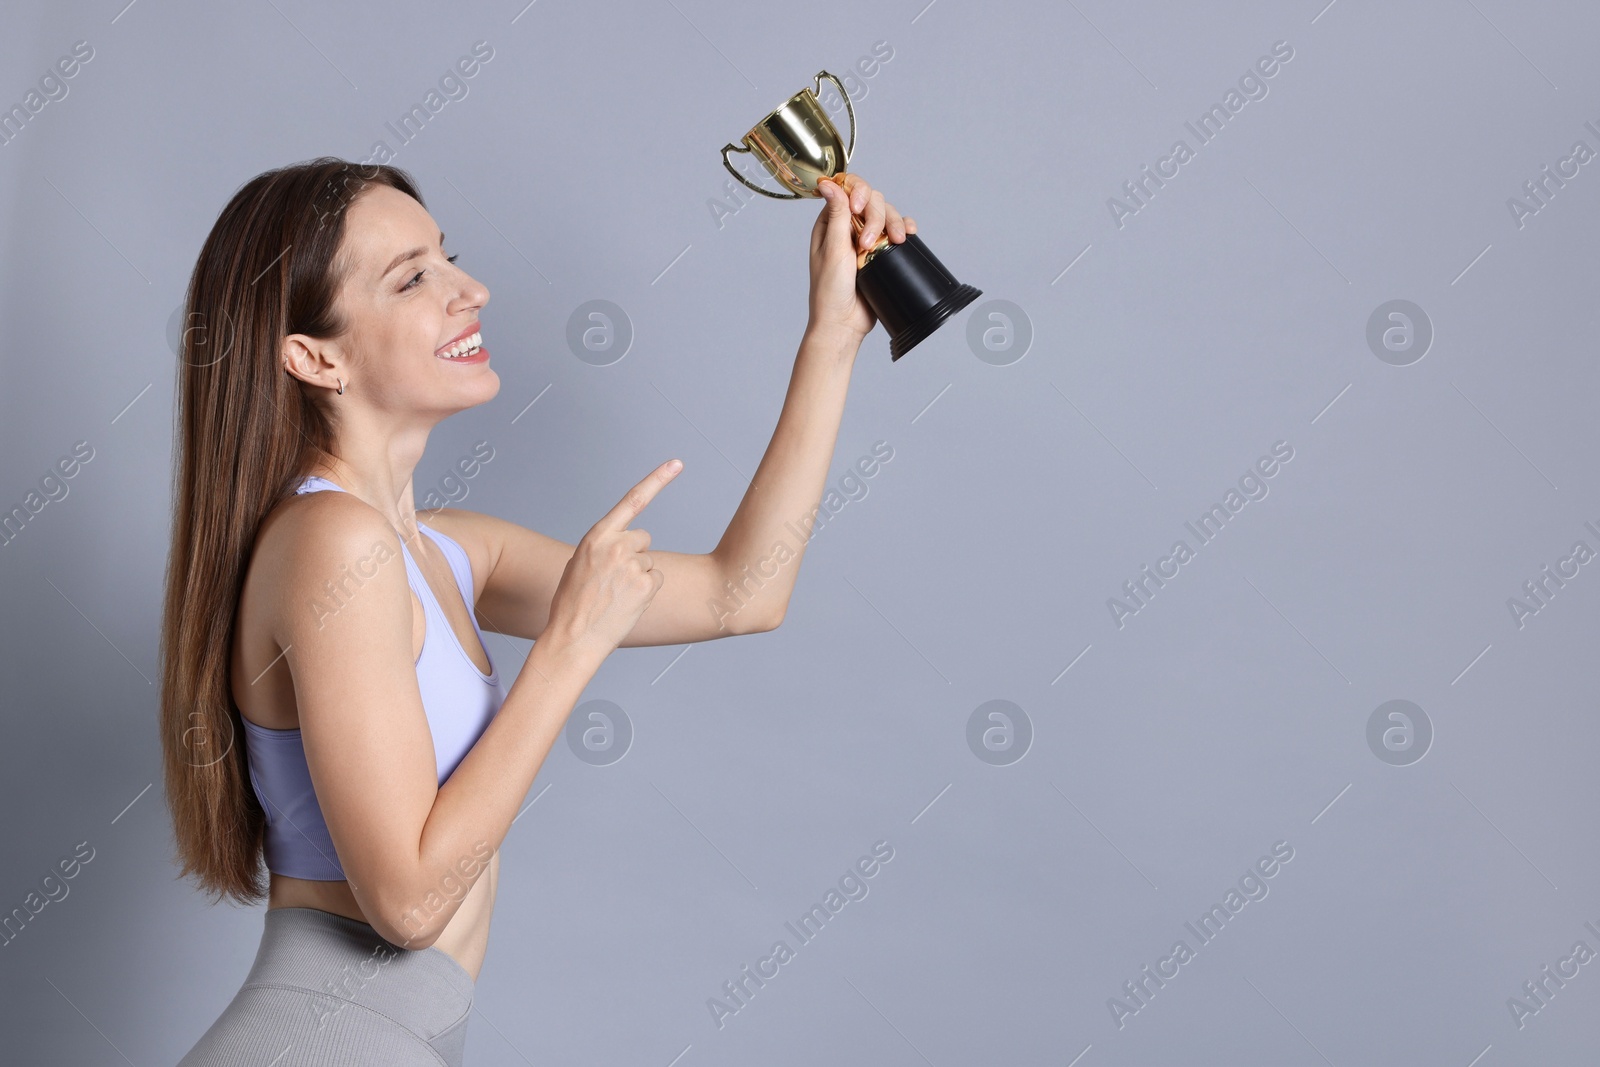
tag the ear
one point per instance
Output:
(312, 360)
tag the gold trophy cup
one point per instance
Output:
(905, 285)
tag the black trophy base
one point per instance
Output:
(910, 291)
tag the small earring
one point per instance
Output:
(341, 387)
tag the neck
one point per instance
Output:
(378, 470)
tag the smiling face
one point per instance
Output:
(406, 305)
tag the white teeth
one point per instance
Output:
(465, 347)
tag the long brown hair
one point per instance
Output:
(247, 432)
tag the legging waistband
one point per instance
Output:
(349, 960)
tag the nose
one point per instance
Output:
(474, 294)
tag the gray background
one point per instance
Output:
(1228, 714)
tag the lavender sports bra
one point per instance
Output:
(457, 697)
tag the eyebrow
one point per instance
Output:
(410, 253)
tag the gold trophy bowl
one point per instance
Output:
(905, 285)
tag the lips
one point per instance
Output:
(463, 335)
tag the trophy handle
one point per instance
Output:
(745, 181)
(837, 84)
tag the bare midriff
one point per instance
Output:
(465, 937)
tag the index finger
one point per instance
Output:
(860, 191)
(629, 507)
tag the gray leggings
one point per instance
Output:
(326, 990)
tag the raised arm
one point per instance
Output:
(758, 558)
(743, 585)
(522, 567)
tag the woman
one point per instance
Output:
(340, 717)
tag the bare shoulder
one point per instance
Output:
(311, 526)
(327, 537)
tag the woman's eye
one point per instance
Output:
(418, 277)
